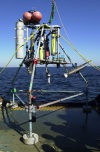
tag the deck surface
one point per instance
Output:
(59, 130)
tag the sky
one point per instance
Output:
(79, 18)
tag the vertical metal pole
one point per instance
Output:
(58, 33)
(30, 87)
(86, 83)
(86, 93)
(32, 45)
(27, 51)
(13, 99)
(30, 112)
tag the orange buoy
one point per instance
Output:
(36, 16)
(27, 16)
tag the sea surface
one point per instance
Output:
(59, 86)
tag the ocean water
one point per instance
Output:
(58, 88)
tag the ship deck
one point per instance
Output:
(59, 129)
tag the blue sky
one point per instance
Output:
(81, 19)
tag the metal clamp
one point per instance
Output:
(30, 108)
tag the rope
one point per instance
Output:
(17, 72)
(62, 22)
(84, 58)
(71, 45)
(10, 60)
(21, 46)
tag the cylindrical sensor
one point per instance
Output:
(19, 40)
(53, 44)
(41, 53)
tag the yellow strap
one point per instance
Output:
(84, 58)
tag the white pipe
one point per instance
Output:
(59, 100)
(30, 87)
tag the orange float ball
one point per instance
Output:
(36, 16)
(27, 16)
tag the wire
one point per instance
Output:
(21, 46)
(84, 58)
(10, 59)
(71, 44)
(62, 22)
